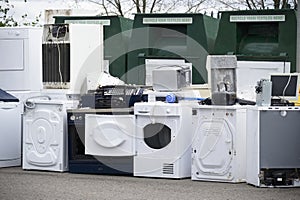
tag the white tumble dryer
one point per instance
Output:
(109, 135)
(45, 134)
(163, 140)
(10, 133)
(110, 139)
(219, 146)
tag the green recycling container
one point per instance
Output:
(262, 35)
(171, 36)
(117, 32)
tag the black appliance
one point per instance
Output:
(81, 163)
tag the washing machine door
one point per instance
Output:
(213, 148)
(43, 141)
(10, 131)
(109, 135)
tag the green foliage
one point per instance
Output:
(5, 18)
(8, 20)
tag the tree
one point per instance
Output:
(6, 19)
(258, 4)
(128, 7)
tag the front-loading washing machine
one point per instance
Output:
(10, 133)
(219, 146)
(163, 140)
(45, 134)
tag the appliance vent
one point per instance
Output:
(168, 168)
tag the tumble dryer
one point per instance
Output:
(10, 131)
(45, 134)
(109, 135)
(163, 140)
(21, 58)
(107, 157)
(219, 146)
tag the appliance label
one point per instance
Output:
(104, 22)
(257, 18)
(168, 20)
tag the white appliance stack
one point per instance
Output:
(20, 75)
(164, 127)
(69, 53)
(170, 136)
(219, 146)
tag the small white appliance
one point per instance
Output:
(21, 58)
(45, 134)
(263, 92)
(10, 133)
(219, 145)
(273, 150)
(163, 140)
(178, 77)
(109, 135)
(151, 64)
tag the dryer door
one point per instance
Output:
(43, 130)
(213, 149)
(109, 135)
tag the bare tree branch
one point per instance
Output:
(152, 6)
(248, 4)
(104, 7)
(125, 7)
(284, 3)
(194, 6)
(276, 4)
(144, 5)
(253, 4)
(228, 4)
(137, 5)
(262, 4)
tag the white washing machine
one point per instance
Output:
(10, 133)
(219, 146)
(163, 140)
(45, 134)
(109, 135)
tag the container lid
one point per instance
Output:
(6, 97)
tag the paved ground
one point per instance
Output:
(18, 184)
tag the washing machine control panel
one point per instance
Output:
(76, 118)
(158, 109)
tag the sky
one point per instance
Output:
(34, 8)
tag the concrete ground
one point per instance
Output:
(16, 183)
